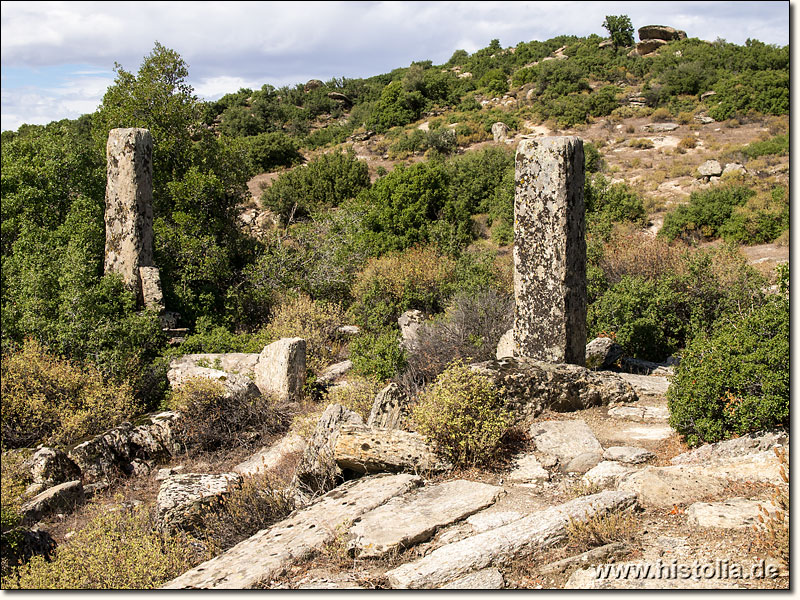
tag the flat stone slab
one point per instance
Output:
(629, 455)
(607, 473)
(590, 557)
(651, 433)
(640, 413)
(414, 518)
(564, 440)
(485, 579)
(541, 529)
(736, 513)
(663, 487)
(741, 446)
(267, 553)
(654, 386)
(527, 469)
(270, 457)
(231, 362)
(484, 521)
(63, 497)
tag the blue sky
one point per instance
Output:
(58, 57)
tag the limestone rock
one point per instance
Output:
(317, 471)
(500, 132)
(606, 474)
(390, 409)
(114, 451)
(414, 518)
(49, 467)
(736, 513)
(582, 463)
(654, 386)
(734, 168)
(640, 412)
(270, 551)
(486, 520)
(152, 296)
(629, 455)
(648, 46)
(281, 369)
(550, 250)
(564, 440)
(530, 386)
(236, 387)
(240, 363)
(595, 556)
(267, 459)
(752, 443)
(168, 472)
(348, 330)
(333, 372)
(660, 127)
(485, 579)
(704, 119)
(182, 498)
(63, 497)
(527, 469)
(410, 322)
(660, 32)
(648, 432)
(312, 84)
(602, 353)
(505, 347)
(539, 530)
(129, 205)
(710, 168)
(663, 487)
(366, 449)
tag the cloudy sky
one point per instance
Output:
(58, 57)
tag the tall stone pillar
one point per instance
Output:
(550, 250)
(129, 211)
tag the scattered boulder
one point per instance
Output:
(734, 168)
(710, 168)
(583, 462)
(602, 353)
(530, 386)
(348, 330)
(565, 441)
(753, 443)
(606, 474)
(505, 347)
(500, 132)
(485, 579)
(241, 363)
(267, 459)
(410, 322)
(527, 469)
(271, 551)
(366, 449)
(339, 97)
(661, 32)
(707, 94)
(664, 487)
(413, 518)
(63, 497)
(660, 127)
(648, 46)
(333, 372)
(281, 369)
(49, 467)
(704, 119)
(312, 84)
(236, 387)
(182, 499)
(317, 471)
(736, 513)
(390, 409)
(629, 455)
(539, 530)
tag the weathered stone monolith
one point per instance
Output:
(550, 251)
(129, 205)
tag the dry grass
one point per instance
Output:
(603, 528)
(772, 534)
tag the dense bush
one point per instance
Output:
(463, 416)
(608, 203)
(325, 182)
(378, 355)
(47, 399)
(358, 395)
(271, 150)
(118, 549)
(777, 145)
(735, 380)
(763, 218)
(211, 417)
(705, 214)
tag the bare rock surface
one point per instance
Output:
(268, 458)
(664, 487)
(640, 412)
(63, 497)
(51, 466)
(531, 386)
(647, 385)
(629, 455)
(602, 353)
(505, 346)
(415, 517)
(527, 469)
(564, 440)
(486, 520)
(390, 408)
(267, 553)
(335, 371)
(241, 363)
(536, 531)
(587, 579)
(594, 556)
(606, 474)
(281, 369)
(183, 497)
(710, 168)
(753, 443)
(736, 513)
(648, 432)
(236, 387)
(485, 579)
(366, 449)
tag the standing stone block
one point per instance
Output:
(281, 369)
(129, 205)
(550, 250)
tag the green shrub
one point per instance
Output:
(608, 203)
(211, 417)
(358, 395)
(736, 380)
(705, 214)
(396, 107)
(271, 150)
(12, 490)
(118, 549)
(762, 219)
(592, 159)
(463, 416)
(51, 400)
(778, 145)
(377, 355)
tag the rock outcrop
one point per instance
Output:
(390, 410)
(183, 498)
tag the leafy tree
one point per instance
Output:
(620, 29)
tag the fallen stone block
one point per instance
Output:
(270, 551)
(183, 498)
(414, 518)
(484, 520)
(736, 513)
(742, 446)
(529, 386)
(564, 440)
(267, 459)
(527, 469)
(241, 363)
(371, 450)
(333, 372)
(663, 487)
(485, 579)
(594, 556)
(390, 408)
(281, 369)
(60, 498)
(539, 530)
(629, 455)
(606, 474)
